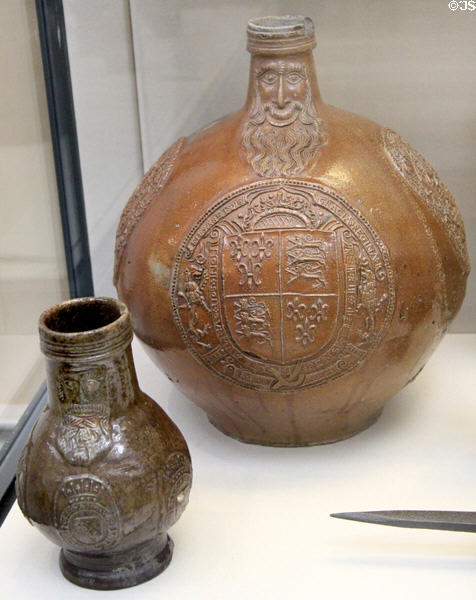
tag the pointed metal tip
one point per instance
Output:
(421, 519)
(353, 516)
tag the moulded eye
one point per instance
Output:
(269, 77)
(294, 78)
(92, 385)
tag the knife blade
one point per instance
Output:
(420, 519)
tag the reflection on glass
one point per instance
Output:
(32, 265)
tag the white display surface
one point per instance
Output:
(257, 524)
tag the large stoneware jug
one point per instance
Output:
(291, 266)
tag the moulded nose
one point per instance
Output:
(281, 102)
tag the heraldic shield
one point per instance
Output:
(282, 285)
(286, 311)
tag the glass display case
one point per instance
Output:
(44, 254)
(96, 91)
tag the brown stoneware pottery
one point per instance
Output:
(105, 472)
(291, 266)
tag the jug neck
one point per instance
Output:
(282, 80)
(87, 344)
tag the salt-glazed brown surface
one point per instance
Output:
(105, 472)
(292, 265)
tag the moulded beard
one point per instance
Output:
(82, 439)
(282, 151)
(277, 151)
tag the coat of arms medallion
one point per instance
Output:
(282, 284)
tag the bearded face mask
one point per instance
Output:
(85, 430)
(283, 132)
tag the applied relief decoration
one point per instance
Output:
(306, 316)
(152, 183)
(319, 303)
(178, 481)
(249, 254)
(85, 394)
(282, 132)
(252, 320)
(85, 513)
(425, 182)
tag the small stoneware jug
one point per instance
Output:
(105, 472)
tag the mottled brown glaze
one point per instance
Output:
(105, 472)
(297, 264)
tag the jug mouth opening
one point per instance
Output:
(82, 315)
(275, 35)
(282, 24)
(85, 328)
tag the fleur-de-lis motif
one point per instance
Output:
(306, 318)
(249, 256)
